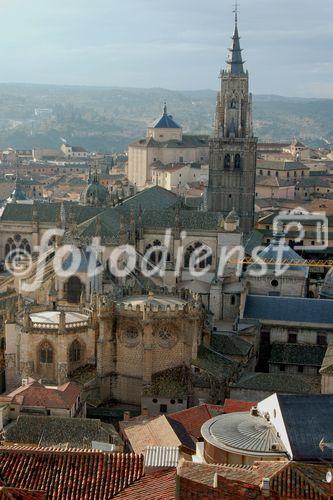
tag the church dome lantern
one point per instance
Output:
(95, 194)
(165, 128)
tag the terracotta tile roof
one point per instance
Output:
(234, 406)
(287, 479)
(193, 418)
(161, 431)
(36, 394)
(204, 473)
(8, 493)
(133, 421)
(69, 474)
(159, 485)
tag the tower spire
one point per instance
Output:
(236, 12)
(235, 61)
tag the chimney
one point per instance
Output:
(145, 412)
(127, 416)
(265, 487)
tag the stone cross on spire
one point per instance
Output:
(235, 61)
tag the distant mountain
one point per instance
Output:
(108, 118)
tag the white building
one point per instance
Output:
(164, 143)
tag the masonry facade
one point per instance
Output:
(232, 156)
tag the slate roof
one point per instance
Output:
(69, 474)
(296, 478)
(289, 309)
(297, 354)
(279, 165)
(313, 181)
(214, 363)
(254, 240)
(230, 345)
(151, 198)
(46, 212)
(308, 419)
(165, 121)
(235, 61)
(188, 141)
(59, 431)
(188, 219)
(285, 383)
(279, 253)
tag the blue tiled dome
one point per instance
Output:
(165, 121)
(272, 254)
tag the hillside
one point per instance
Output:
(107, 119)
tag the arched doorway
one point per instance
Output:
(73, 290)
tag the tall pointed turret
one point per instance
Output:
(232, 157)
(235, 61)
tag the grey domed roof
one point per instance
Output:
(243, 432)
(95, 194)
(327, 288)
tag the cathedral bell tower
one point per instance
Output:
(233, 149)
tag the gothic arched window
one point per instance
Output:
(75, 352)
(10, 246)
(25, 246)
(227, 161)
(233, 104)
(46, 353)
(201, 251)
(238, 161)
(155, 256)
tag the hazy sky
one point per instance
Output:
(176, 44)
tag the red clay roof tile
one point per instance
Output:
(70, 474)
(36, 394)
(194, 418)
(234, 406)
(159, 485)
